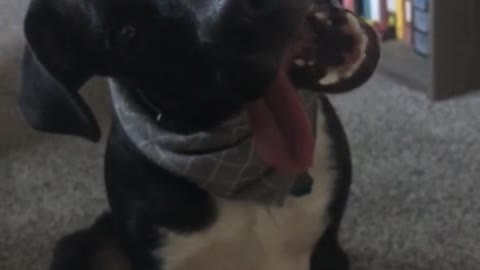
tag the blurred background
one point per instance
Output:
(414, 131)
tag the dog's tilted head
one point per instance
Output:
(199, 61)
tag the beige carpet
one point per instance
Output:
(415, 202)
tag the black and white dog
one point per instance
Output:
(211, 162)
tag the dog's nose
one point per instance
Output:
(255, 5)
(263, 5)
(255, 24)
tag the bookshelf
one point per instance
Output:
(444, 64)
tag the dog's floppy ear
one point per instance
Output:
(55, 66)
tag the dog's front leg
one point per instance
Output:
(147, 200)
(328, 253)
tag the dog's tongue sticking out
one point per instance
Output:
(282, 132)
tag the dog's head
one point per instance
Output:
(198, 60)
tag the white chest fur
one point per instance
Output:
(247, 236)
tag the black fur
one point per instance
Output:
(144, 197)
(185, 58)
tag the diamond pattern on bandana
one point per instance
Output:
(235, 173)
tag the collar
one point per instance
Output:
(150, 109)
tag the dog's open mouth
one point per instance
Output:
(283, 135)
(280, 127)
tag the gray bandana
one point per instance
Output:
(222, 160)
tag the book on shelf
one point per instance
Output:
(420, 13)
(421, 27)
(400, 18)
(403, 20)
(408, 21)
(376, 13)
(388, 19)
(391, 18)
(350, 4)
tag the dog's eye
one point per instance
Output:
(128, 32)
(122, 37)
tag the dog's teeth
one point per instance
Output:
(323, 17)
(300, 62)
(354, 24)
(332, 77)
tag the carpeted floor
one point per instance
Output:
(415, 202)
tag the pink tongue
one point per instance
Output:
(282, 133)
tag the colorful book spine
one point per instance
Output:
(408, 21)
(367, 11)
(376, 11)
(384, 13)
(400, 19)
(350, 4)
(421, 4)
(421, 19)
(380, 18)
(389, 19)
(391, 13)
(421, 27)
(372, 12)
(392, 16)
